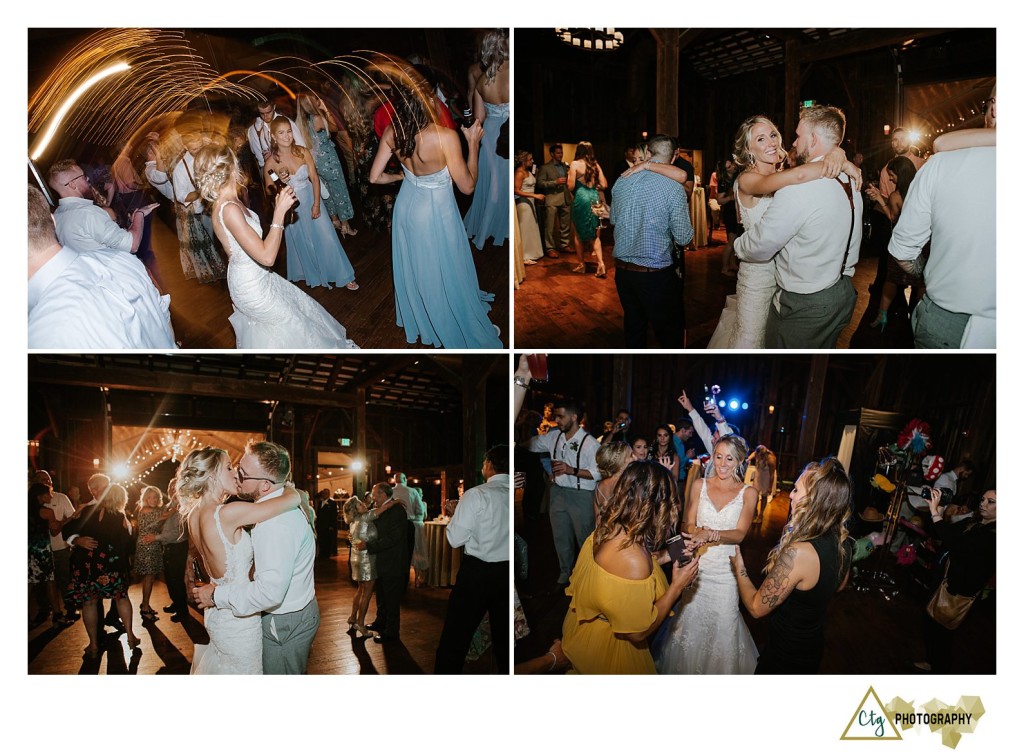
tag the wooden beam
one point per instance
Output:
(812, 407)
(118, 378)
(792, 92)
(389, 366)
(667, 83)
(359, 478)
(862, 40)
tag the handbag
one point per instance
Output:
(948, 609)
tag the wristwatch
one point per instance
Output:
(521, 381)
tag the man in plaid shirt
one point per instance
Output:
(650, 213)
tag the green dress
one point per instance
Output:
(583, 217)
(328, 166)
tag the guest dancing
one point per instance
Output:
(758, 149)
(488, 215)
(315, 254)
(526, 194)
(149, 556)
(316, 124)
(804, 570)
(42, 523)
(708, 635)
(612, 460)
(269, 312)
(585, 180)
(362, 564)
(664, 450)
(901, 172)
(99, 563)
(619, 592)
(437, 295)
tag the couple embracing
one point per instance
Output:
(265, 625)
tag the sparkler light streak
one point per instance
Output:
(165, 75)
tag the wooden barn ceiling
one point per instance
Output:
(428, 383)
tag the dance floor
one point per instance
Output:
(866, 632)
(199, 313)
(556, 308)
(167, 646)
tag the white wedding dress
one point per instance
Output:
(269, 311)
(707, 635)
(743, 320)
(236, 644)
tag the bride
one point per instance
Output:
(758, 148)
(205, 480)
(269, 312)
(708, 635)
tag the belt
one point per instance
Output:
(619, 264)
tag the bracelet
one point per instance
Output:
(554, 661)
(277, 225)
(521, 381)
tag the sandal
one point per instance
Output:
(580, 268)
(349, 232)
(337, 225)
(353, 286)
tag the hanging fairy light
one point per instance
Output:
(591, 39)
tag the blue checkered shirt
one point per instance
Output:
(649, 212)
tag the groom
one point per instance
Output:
(813, 230)
(284, 548)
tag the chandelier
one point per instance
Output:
(591, 39)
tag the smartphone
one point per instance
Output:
(677, 550)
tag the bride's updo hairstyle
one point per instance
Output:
(741, 154)
(826, 507)
(644, 506)
(735, 445)
(197, 477)
(215, 166)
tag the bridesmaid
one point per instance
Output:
(314, 252)
(525, 191)
(585, 180)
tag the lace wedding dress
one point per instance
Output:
(743, 320)
(708, 635)
(270, 312)
(236, 644)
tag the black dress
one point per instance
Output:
(102, 572)
(796, 638)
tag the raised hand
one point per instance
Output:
(685, 402)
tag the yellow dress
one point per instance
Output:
(602, 606)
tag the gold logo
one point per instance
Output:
(874, 721)
(871, 721)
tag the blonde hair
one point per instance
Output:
(613, 458)
(115, 499)
(215, 166)
(741, 154)
(493, 52)
(824, 509)
(148, 489)
(644, 507)
(826, 121)
(273, 459)
(197, 477)
(738, 447)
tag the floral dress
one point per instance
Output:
(149, 558)
(101, 573)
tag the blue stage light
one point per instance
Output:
(721, 404)
(745, 405)
(734, 404)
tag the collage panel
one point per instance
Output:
(755, 188)
(740, 514)
(378, 543)
(296, 188)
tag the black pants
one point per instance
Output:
(654, 298)
(175, 557)
(481, 587)
(389, 589)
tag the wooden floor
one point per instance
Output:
(556, 308)
(866, 632)
(167, 646)
(199, 313)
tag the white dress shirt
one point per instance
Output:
(179, 185)
(952, 201)
(701, 428)
(82, 225)
(96, 299)
(259, 137)
(579, 450)
(284, 548)
(481, 521)
(62, 509)
(807, 225)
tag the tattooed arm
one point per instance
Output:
(791, 570)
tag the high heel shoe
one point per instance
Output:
(881, 320)
(580, 268)
(352, 620)
(348, 232)
(601, 272)
(362, 630)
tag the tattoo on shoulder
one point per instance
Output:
(777, 585)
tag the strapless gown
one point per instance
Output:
(314, 252)
(437, 295)
(527, 214)
(488, 215)
(236, 644)
(270, 312)
(745, 316)
(707, 635)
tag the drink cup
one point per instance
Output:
(538, 363)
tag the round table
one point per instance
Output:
(444, 559)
